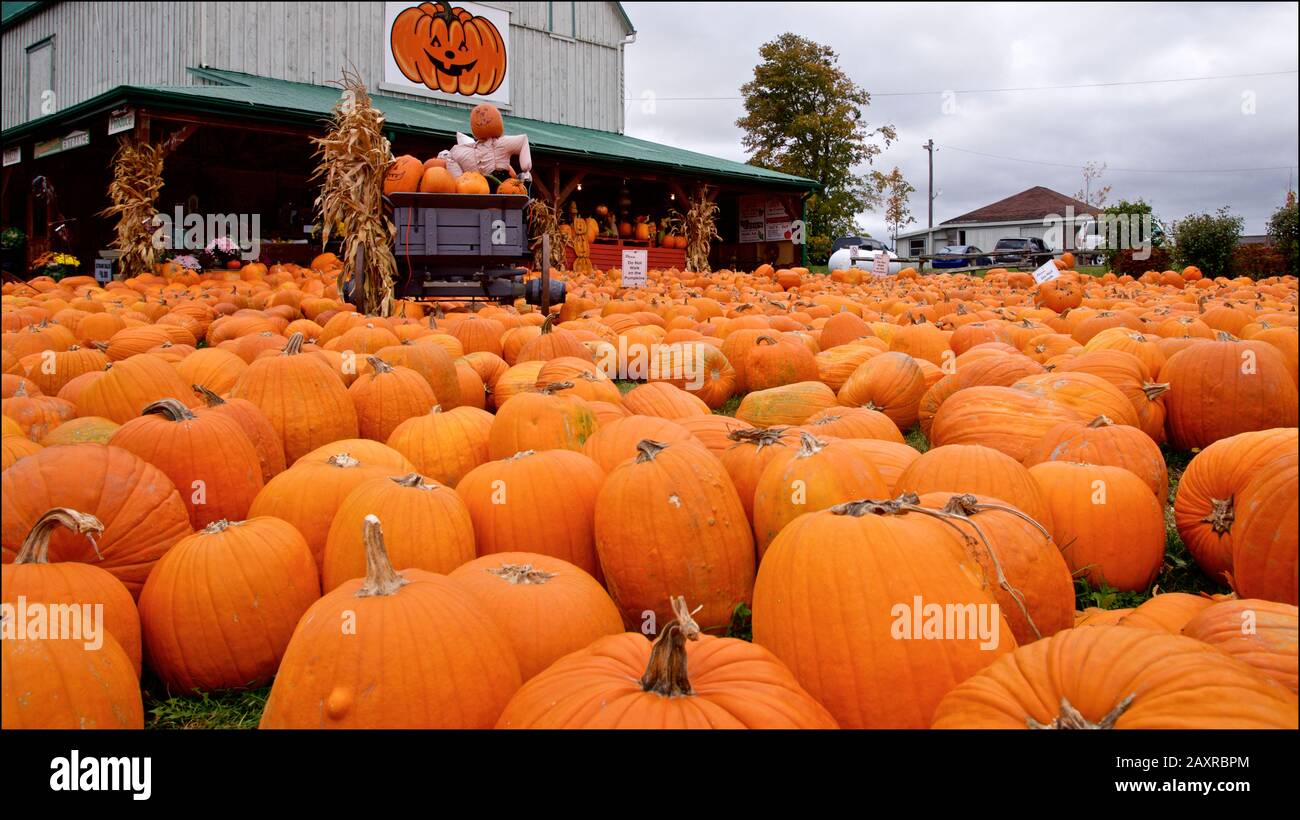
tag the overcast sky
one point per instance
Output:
(710, 49)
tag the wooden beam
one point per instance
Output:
(542, 189)
(569, 188)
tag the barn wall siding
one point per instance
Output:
(97, 46)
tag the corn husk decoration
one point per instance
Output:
(542, 221)
(137, 181)
(354, 158)
(701, 227)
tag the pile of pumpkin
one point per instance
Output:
(457, 518)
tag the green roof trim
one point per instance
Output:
(627, 21)
(269, 100)
(15, 12)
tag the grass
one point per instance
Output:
(231, 709)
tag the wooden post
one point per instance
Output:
(546, 274)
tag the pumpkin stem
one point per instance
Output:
(342, 460)
(809, 445)
(555, 387)
(765, 340)
(211, 398)
(381, 578)
(21, 392)
(760, 437)
(1154, 391)
(665, 674)
(647, 450)
(36, 546)
(294, 346)
(1225, 336)
(1222, 515)
(1100, 421)
(170, 409)
(1072, 718)
(220, 525)
(521, 454)
(547, 323)
(378, 365)
(412, 480)
(521, 574)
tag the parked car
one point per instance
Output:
(957, 256)
(1021, 252)
(860, 252)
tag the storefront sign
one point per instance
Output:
(76, 139)
(634, 268)
(103, 271)
(763, 219)
(13, 155)
(449, 52)
(123, 119)
(1047, 272)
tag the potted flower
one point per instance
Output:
(55, 265)
(13, 247)
(220, 253)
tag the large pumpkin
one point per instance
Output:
(972, 468)
(218, 609)
(1264, 547)
(540, 421)
(684, 680)
(1257, 632)
(444, 445)
(393, 650)
(1113, 677)
(142, 513)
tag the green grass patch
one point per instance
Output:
(232, 709)
(917, 440)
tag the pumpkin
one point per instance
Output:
(1013, 421)
(1166, 612)
(409, 649)
(213, 368)
(1106, 521)
(889, 458)
(208, 457)
(1205, 507)
(540, 421)
(142, 513)
(552, 343)
(36, 414)
(891, 383)
(437, 180)
(404, 175)
(699, 541)
(1259, 633)
(1264, 543)
(545, 606)
(852, 575)
(444, 445)
(683, 680)
(308, 495)
(790, 404)
(429, 528)
(265, 440)
(371, 452)
(515, 501)
(773, 362)
(1088, 395)
(971, 468)
(853, 423)
(472, 182)
(32, 578)
(664, 400)
(751, 451)
(617, 441)
(15, 447)
(387, 396)
(991, 371)
(80, 430)
(80, 687)
(219, 608)
(816, 476)
(453, 51)
(1112, 677)
(50, 370)
(1101, 441)
(1221, 388)
(301, 397)
(513, 187)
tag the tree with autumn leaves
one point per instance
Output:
(804, 116)
(893, 192)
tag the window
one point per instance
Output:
(40, 79)
(561, 18)
(961, 237)
(916, 247)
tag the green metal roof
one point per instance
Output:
(12, 12)
(264, 99)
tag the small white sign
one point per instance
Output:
(1047, 272)
(13, 155)
(880, 265)
(103, 271)
(121, 120)
(634, 268)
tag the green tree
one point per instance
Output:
(1207, 241)
(1284, 233)
(803, 116)
(893, 191)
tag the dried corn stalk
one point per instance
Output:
(542, 221)
(701, 229)
(354, 157)
(137, 181)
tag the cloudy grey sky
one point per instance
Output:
(710, 49)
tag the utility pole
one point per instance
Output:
(929, 230)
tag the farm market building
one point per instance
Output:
(248, 84)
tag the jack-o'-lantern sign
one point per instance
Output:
(449, 49)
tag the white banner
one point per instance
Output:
(460, 56)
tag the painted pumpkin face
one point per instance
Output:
(448, 49)
(485, 122)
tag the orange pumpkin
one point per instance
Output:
(403, 175)
(437, 180)
(472, 182)
(448, 49)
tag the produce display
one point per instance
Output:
(767, 499)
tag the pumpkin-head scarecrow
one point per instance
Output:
(489, 151)
(448, 49)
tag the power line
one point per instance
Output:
(1123, 170)
(1019, 88)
